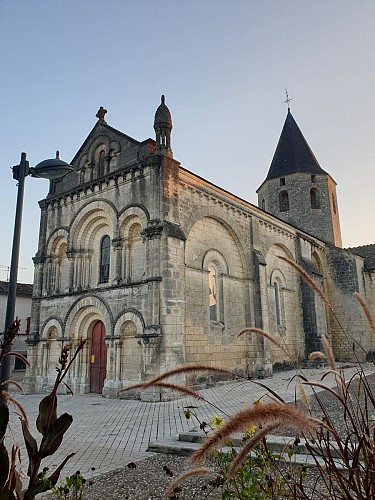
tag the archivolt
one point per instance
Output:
(83, 312)
(89, 219)
(228, 223)
(55, 322)
(129, 315)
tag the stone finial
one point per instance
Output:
(101, 114)
(57, 155)
(162, 99)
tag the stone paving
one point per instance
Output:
(109, 433)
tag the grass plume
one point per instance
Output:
(313, 356)
(183, 477)
(366, 311)
(308, 279)
(251, 443)
(177, 371)
(329, 353)
(266, 335)
(285, 415)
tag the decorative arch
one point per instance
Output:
(92, 223)
(100, 205)
(52, 322)
(228, 223)
(83, 169)
(129, 363)
(101, 142)
(283, 292)
(132, 223)
(216, 266)
(54, 238)
(130, 212)
(129, 315)
(55, 265)
(83, 313)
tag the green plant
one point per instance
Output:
(51, 427)
(72, 488)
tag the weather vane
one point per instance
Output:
(288, 99)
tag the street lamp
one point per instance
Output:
(47, 169)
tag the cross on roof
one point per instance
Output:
(288, 99)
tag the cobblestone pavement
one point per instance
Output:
(109, 433)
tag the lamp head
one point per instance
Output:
(51, 169)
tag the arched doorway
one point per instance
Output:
(98, 358)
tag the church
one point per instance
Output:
(157, 267)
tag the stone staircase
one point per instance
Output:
(186, 443)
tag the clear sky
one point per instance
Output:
(223, 66)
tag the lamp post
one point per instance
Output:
(47, 169)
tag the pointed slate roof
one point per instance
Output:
(293, 154)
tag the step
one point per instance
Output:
(175, 447)
(186, 443)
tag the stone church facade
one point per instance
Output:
(157, 267)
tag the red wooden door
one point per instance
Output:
(98, 358)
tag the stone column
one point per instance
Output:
(117, 245)
(118, 345)
(70, 256)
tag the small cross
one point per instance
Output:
(288, 99)
(101, 114)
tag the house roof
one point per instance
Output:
(23, 289)
(368, 253)
(293, 154)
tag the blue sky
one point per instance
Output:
(223, 66)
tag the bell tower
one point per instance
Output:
(298, 190)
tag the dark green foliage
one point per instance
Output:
(51, 427)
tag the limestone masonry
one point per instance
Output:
(158, 267)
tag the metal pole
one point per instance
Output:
(23, 171)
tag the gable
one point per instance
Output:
(104, 151)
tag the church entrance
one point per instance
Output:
(98, 358)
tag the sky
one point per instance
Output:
(223, 66)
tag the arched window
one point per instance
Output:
(314, 198)
(101, 163)
(277, 306)
(276, 290)
(284, 201)
(105, 255)
(263, 204)
(213, 293)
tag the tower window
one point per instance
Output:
(263, 204)
(282, 181)
(333, 203)
(284, 201)
(313, 178)
(105, 249)
(314, 198)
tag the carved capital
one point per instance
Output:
(117, 243)
(154, 229)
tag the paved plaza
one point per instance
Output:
(109, 433)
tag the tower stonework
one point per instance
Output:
(298, 190)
